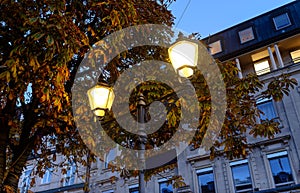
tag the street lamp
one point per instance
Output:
(101, 98)
(183, 56)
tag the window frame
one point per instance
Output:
(26, 179)
(68, 179)
(217, 43)
(263, 70)
(280, 154)
(47, 176)
(250, 36)
(164, 181)
(284, 26)
(240, 163)
(265, 101)
(203, 171)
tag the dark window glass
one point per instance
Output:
(206, 182)
(241, 177)
(281, 170)
(282, 21)
(164, 187)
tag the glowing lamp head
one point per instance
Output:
(184, 57)
(101, 98)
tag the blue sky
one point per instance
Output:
(211, 16)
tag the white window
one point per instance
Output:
(267, 109)
(215, 47)
(281, 169)
(70, 175)
(246, 35)
(241, 176)
(206, 180)
(281, 21)
(47, 176)
(295, 56)
(262, 67)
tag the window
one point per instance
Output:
(165, 187)
(295, 56)
(206, 180)
(281, 21)
(281, 169)
(26, 179)
(241, 176)
(266, 106)
(215, 47)
(246, 35)
(262, 67)
(47, 176)
(70, 175)
(134, 188)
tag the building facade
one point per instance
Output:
(267, 45)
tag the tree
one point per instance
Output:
(42, 46)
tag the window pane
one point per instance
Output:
(262, 67)
(281, 170)
(295, 56)
(215, 47)
(246, 35)
(268, 109)
(281, 21)
(241, 177)
(206, 182)
(164, 187)
(47, 176)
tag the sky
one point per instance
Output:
(208, 17)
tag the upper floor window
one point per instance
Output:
(215, 47)
(262, 67)
(70, 175)
(165, 187)
(47, 176)
(246, 35)
(206, 180)
(267, 108)
(295, 56)
(241, 176)
(281, 21)
(281, 169)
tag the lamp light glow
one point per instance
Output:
(101, 98)
(184, 57)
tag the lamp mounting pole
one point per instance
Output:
(141, 116)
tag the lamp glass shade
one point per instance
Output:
(184, 57)
(101, 98)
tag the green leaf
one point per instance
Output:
(37, 36)
(50, 40)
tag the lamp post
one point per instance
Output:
(183, 56)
